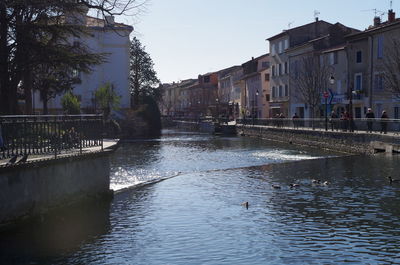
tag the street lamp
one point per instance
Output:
(256, 102)
(326, 95)
(255, 106)
(351, 125)
(217, 108)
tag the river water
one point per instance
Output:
(180, 198)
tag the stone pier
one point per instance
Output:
(45, 182)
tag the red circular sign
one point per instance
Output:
(326, 94)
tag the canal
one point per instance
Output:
(179, 200)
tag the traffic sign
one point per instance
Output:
(326, 94)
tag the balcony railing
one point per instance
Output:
(38, 135)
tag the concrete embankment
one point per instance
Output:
(40, 185)
(347, 142)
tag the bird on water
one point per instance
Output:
(391, 180)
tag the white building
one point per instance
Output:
(107, 37)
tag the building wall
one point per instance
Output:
(339, 71)
(114, 43)
(361, 99)
(279, 80)
(383, 97)
(266, 93)
(375, 44)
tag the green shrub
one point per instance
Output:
(70, 104)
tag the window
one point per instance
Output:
(296, 69)
(359, 57)
(358, 82)
(286, 90)
(380, 47)
(378, 82)
(265, 64)
(266, 77)
(339, 87)
(357, 112)
(333, 58)
(286, 44)
(286, 68)
(273, 49)
(207, 79)
(273, 70)
(267, 97)
(279, 69)
(280, 92)
(75, 73)
(273, 92)
(280, 47)
(396, 113)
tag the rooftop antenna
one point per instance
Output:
(391, 4)
(376, 12)
(316, 14)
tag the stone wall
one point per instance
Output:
(34, 188)
(354, 143)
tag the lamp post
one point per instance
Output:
(217, 109)
(351, 125)
(326, 95)
(255, 107)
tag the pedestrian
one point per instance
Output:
(370, 116)
(277, 122)
(346, 120)
(333, 120)
(384, 121)
(295, 121)
(2, 148)
(282, 117)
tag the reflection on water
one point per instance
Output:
(197, 217)
(53, 235)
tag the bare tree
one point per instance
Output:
(391, 67)
(116, 7)
(309, 79)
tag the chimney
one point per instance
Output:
(316, 19)
(391, 16)
(109, 20)
(377, 21)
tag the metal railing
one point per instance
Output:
(202, 119)
(49, 134)
(350, 125)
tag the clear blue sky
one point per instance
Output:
(187, 37)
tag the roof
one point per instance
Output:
(285, 32)
(101, 23)
(334, 49)
(373, 29)
(307, 43)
